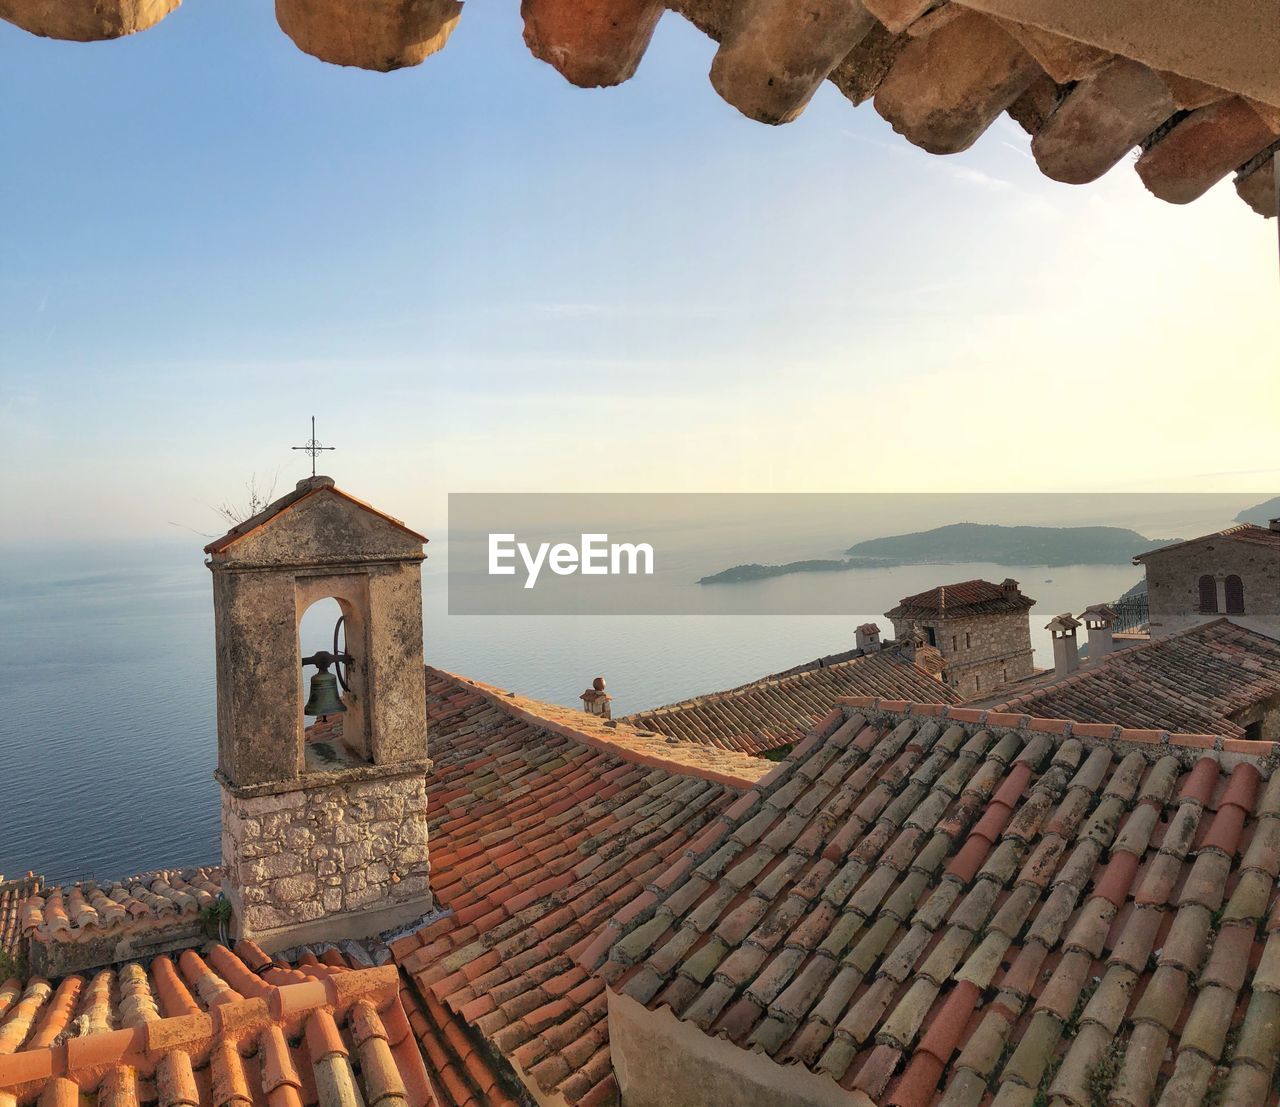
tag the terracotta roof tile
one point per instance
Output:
(1194, 681)
(541, 833)
(165, 903)
(126, 1030)
(961, 601)
(1084, 883)
(781, 710)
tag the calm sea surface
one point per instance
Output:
(107, 684)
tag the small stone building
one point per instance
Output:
(321, 838)
(1233, 572)
(982, 630)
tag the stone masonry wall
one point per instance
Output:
(1173, 585)
(296, 856)
(998, 649)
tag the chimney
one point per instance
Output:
(911, 641)
(1273, 524)
(1098, 620)
(867, 637)
(596, 701)
(1009, 586)
(1066, 654)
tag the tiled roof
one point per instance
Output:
(213, 1031)
(1193, 680)
(538, 837)
(778, 711)
(1243, 532)
(92, 909)
(939, 905)
(959, 601)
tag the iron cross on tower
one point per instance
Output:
(313, 447)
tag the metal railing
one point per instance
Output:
(1132, 613)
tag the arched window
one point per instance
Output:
(1208, 595)
(1235, 595)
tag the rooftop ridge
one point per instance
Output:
(734, 770)
(773, 680)
(1226, 532)
(1065, 728)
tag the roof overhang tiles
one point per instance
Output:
(1192, 745)
(1192, 83)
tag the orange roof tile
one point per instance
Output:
(92, 909)
(962, 601)
(1194, 680)
(212, 1030)
(780, 710)
(938, 903)
(541, 831)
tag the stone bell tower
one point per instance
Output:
(323, 836)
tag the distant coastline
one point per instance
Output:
(737, 574)
(966, 542)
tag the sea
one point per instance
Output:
(107, 680)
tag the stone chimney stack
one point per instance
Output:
(1098, 620)
(596, 701)
(1274, 524)
(1009, 586)
(1066, 654)
(910, 642)
(867, 637)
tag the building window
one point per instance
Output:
(977, 684)
(1004, 675)
(968, 640)
(930, 637)
(1235, 595)
(1253, 732)
(954, 647)
(1208, 595)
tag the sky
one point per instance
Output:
(479, 278)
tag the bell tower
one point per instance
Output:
(324, 826)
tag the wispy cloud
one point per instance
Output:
(977, 177)
(570, 311)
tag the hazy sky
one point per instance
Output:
(480, 278)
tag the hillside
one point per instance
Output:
(1010, 545)
(1261, 514)
(739, 573)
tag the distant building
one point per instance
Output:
(982, 630)
(1233, 572)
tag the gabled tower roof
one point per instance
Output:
(307, 489)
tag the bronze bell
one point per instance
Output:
(324, 699)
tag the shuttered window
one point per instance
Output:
(1235, 595)
(1208, 595)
